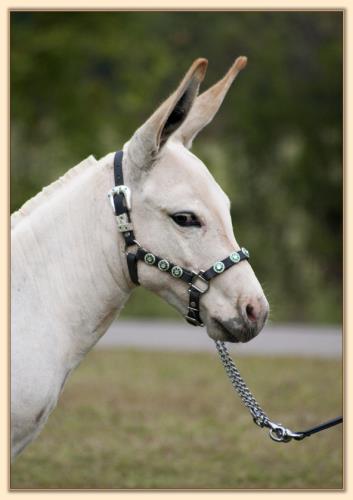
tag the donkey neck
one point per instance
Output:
(76, 256)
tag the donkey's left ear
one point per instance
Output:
(154, 133)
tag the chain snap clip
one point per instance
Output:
(281, 434)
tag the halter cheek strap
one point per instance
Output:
(120, 198)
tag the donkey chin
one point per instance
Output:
(232, 330)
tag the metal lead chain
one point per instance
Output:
(277, 431)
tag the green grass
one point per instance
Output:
(132, 419)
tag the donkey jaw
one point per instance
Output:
(231, 331)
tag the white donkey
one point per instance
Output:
(69, 270)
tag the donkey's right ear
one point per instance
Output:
(153, 134)
(207, 105)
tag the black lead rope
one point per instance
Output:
(322, 427)
(120, 199)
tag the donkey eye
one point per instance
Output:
(186, 219)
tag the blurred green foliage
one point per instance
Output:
(82, 82)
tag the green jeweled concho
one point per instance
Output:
(150, 259)
(177, 272)
(218, 267)
(163, 265)
(234, 257)
(245, 252)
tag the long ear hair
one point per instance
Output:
(155, 132)
(207, 104)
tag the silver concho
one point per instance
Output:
(234, 257)
(245, 252)
(150, 259)
(218, 267)
(177, 272)
(163, 265)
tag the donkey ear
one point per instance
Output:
(154, 133)
(207, 105)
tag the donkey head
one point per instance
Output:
(182, 214)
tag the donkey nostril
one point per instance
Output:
(250, 312)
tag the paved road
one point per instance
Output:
(289, 340)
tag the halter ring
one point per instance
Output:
(205, 283)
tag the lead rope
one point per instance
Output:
(277, 432)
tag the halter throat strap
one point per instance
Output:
(120, 199)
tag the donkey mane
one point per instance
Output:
(48, 191)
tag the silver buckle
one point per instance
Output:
(122, 189)
(204, 282)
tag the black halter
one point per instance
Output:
(120, 197)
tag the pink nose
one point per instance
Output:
(255, 311)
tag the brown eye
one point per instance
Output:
(186, 219)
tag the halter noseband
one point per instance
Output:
(120, 198)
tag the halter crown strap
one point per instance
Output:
(120, 197)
